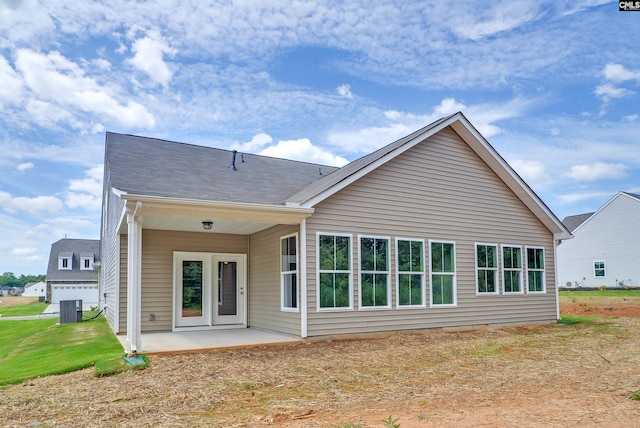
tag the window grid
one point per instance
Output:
(410, 273)
(374, 272)
(334, 285)
(289, 272)
(512, 269)
(599, 269)
(486, 268)
(443, 273)
(535, 270)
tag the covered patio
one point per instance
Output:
(190, 341)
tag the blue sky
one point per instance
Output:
(553, 85)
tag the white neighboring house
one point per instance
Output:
(72, 273)
(35, 289)
(605, 249)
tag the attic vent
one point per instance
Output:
(233, 161)
(319, 171)
(242, 157)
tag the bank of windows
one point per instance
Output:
(599, 269)
(335, 270)
(513, 262)
(289, 273)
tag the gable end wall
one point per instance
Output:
(440, 190)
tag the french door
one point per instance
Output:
(209, 289)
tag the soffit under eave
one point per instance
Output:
(227, 218)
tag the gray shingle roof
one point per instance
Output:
(75, 247)
(154, 167)
(573, 221)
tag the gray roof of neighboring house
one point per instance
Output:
(154, 167)
(74, 247)
(633, 195)
(573, 221)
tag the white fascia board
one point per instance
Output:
(376, 164)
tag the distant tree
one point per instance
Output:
(9, 279)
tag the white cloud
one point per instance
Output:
(257, 143)
(38, 204)
(532, 172)
(24, 166)
(607, 91)
(86, 192)
(581, 196)
(483, 117)
(618, 73)
(597, 171)
(496, 18)
(344, 91)
(11, 90)
(303, 150)
(148, 57)
(56, 80)
(27, 254)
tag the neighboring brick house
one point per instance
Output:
(72, 273)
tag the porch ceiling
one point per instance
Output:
(188, 215)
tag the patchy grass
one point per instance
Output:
(36, 348)
(574, 319)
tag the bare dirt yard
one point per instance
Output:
(550, 375)
(6, 301)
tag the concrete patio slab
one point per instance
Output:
(173, 342)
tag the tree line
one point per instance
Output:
(10, 280)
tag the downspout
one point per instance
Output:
(303, 278)
(133, 342)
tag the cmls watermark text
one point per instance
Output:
(629, 6)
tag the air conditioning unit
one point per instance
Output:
(70, 311)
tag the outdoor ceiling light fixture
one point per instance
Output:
(207, 224)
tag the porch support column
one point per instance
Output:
(134, 278)
(556, 242)
(303, 278)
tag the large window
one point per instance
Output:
(535, 270)
(512, 269)
(374, 272)
(289, 272)
(486, 268)
(443, 273)
(598, 269)
(410, 270)
(334, 272)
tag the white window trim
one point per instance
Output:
(422, 274)
(69, 264)
(284, 308)
(455, 275)
(604, 268)
(82, 261)
(544, 270)
(376, 272)
(495, 270)
(318, 272)
(520, 271)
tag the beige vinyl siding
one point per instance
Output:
(264, 288)
(157, 270)
(438, 190)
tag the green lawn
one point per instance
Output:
(601, 293)
(34, 308)
(35, 348)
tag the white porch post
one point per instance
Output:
(134, 277)
(303, 278)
